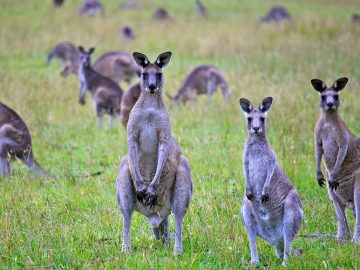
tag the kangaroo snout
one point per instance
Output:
(152, 88)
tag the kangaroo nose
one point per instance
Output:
(330, 104)
(152, 87)
(256, 128)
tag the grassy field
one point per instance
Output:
(74, 221)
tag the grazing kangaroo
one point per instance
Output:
(15, 142)
(130, 4)
(161, 14)
(201, 9)
(106, 93)
(91, 8)
(204, 79)
(271, 207)
(58, 3)
(127, 34)
(341, 151)
(355, 18)
(276, 14)
(68, 55)
(128, 101)
(154, 177)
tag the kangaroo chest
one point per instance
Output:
(330, 146)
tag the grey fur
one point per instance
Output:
(91, 8)
(106, 93)
(201, 9)
(204, 79)
(68, 54)
(341, 151)
(128, 102)
(271, 207)
(15, 142)
(276, 14)
(154, 177)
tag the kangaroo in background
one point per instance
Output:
(58, 3)
(130, 4)
(341, 151)
(106, 93)
(201, 9)
(204, 79)
(154, 177)
(276, 14)
(271, 207)
(15, 142)
(127, 34)
(68, 55)
(118, 66)
(91, 8)
(128, 101)
(161, 14)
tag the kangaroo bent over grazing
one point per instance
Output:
(154, 177)
(204, 79)
(15, 142)
(91, 8)
(341, 151)
(271, 207)
(128, 101)
(106, 93)
(68, 55)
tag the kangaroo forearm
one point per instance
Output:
(268, 178)
(134, 160)
(339, 160)
(319, 153)
(162, 157)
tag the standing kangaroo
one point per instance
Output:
(106, 93)
(154, 177)
(271, 207)
(204, 79)
(15, 142)
(128, 102)
(341, 151)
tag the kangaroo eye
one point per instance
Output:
(145, 74)
(336, 97)
(323, 98)
(159, 75)
(249, 120)
(262, 119)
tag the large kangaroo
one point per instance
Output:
(15, 142)
(271, 206)
(204, 79)
(341, 151)
(128, 102)
(118, 66)
(106, 93)
(154, 177)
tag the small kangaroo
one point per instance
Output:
(341, 151)
(355, 18)
(58, 3)
(15, 142)
(128, 101)
(130, 4)
(276, 14)
(127, 34)
(271, 207)
(204, 79)
(91, 8)
(154, 177)
(162, 15)
(68, 55)
(201, 9)
(106, 93)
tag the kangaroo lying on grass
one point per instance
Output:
(154, 177)
(15, 142)
(271, 207)
(128, 101)
(204, 79)
(341, 151)
(106, 93)
(118, 66)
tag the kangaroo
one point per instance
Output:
(203, 79)
(161, 14)
(271, 206)
(106, 93)
(276, 14)
(201, 9)
(68, 55)
(355, 18)
(58, 3)
(130, 4)
(341, 151)
(127, 34)
(128, 101)
(154, 177)
(91, 8)
(15, 142)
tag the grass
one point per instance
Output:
(74, 222)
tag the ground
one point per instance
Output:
(73, 221)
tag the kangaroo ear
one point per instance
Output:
(265, 105)
(246, 105)
(163, 59)
(141, 60)
(81, 49)
(91, 50)
(339, 84)
(318, 85)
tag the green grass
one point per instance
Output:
(74, 222)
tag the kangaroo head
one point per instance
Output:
(256, 117)
(329, 96)
(151, 79)
(85, 56)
